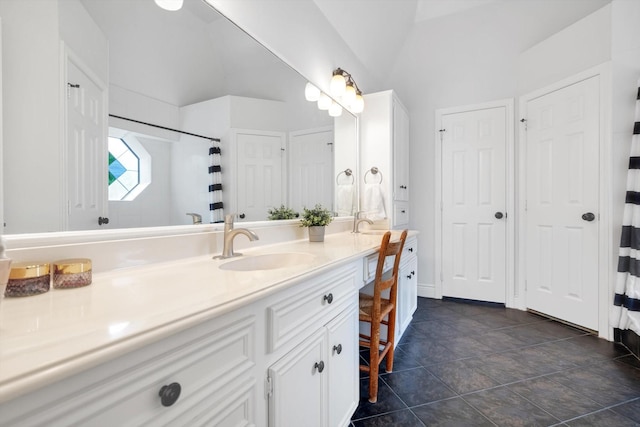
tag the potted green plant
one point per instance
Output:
(282, 213)
(316, 219)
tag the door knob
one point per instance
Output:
(499, 215)
(588, 216)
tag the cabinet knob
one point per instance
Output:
(103, 220)
(242, 216)
(408, 276)
(337, 348)
(410, 249)
(169, 394)
(329, 298)
(319, 366)
(403, 211)
(404, 187)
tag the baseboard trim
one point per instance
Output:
(426, 290)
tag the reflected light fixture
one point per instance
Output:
(171, 5)
(324, 102)
(344, 93)
(311, 93)
(335, 110)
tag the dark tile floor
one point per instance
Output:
(473, 364)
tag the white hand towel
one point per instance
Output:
(345, 200)
(373, 205)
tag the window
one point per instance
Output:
(129, 166)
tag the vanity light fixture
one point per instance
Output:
(342, 88)
(171, 5)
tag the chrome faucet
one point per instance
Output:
(357, 220)
(229, 234)
(197, 218)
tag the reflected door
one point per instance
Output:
(311, 171)
(473, 204)
(86, 148)
(562, 143)
(259, 173)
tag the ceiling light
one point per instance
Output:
(324, 102)
(171, 5)
(311, 93)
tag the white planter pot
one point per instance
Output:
(316, 233)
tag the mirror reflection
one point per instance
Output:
(84, 83)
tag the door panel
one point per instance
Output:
(259, 173)
(473, 190)
(311, 169)
(86, 148)
(563, 184)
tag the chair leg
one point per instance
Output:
(391, 338)
(374, 361)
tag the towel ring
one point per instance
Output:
(373, 171)
(347, 172)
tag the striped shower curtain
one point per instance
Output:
(216, 211)
(625, 313)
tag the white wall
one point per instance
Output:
(31, 116)
(299, 33)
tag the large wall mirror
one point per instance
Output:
(84, 80)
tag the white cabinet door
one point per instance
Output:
(400, 153)
(407, 294)
(299, 385)
(343, 367)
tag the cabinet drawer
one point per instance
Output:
(370, 264)
(208, 369)
(410, 249)
(310, 304)
(400, 214)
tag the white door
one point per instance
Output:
(473, 204)
(259, 174)
(311, 173)
(562, 144)
(86, 150)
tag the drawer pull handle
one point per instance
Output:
(337, 348)
(319, 366)
(169, 394)
(328, 298)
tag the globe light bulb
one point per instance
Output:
(338, 85)
(171, 5)
(349, 95)
(311, 93)
(358, 104)
(335, 110)
(324, 102)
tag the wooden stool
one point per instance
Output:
(374, 308)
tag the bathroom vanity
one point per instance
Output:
(190, 343)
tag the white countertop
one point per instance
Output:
(47, 337)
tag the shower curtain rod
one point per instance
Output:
(165, 128)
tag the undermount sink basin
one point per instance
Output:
(268, 261)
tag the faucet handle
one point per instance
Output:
(197, 218)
